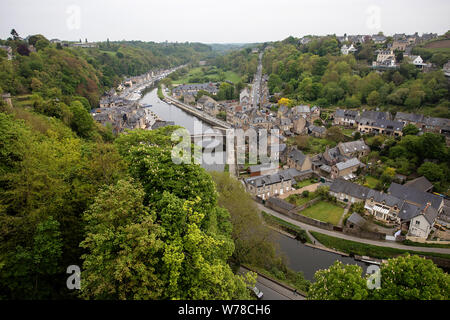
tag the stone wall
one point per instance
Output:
(357, 232)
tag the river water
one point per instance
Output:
(308, 260)
(212, 160)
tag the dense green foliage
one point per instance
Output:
(55, 71)
(403, 278)
(254, 242)
(317, 73)
(362, 249)
(426, 154)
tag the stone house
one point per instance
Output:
(387, 127)
(347, 191)
(269, 185)
(316, 131)
(345, 169)
(299, 125)
(345, 117)
(353, 149)
(298, 160)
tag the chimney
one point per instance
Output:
(426, 207)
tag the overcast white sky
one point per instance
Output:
(224, 21)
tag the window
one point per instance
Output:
(417, 223)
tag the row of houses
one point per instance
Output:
(193, 89)
(130, 116)
(408, 206)
(339, 162)
(383, 123)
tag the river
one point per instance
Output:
(212, 161)
(308, 260)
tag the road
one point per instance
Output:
(256, 88)
(272, 290)
(341, 235)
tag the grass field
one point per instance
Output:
(348, 132)
(216, 75)
(371, 182)
(298, 199)
(363, 249)
(324, 211)
(304, 183)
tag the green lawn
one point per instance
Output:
(304, 183)
(371, 182)
(298, 199)
(362, 249)
(324, 211)
(212, 76)
(348, 132)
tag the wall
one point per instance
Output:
(355, 231)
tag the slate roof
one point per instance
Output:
(375, 115)
(356, 219)
(284, 175)
(410, 117)
(266, 166)
(384, 124)
(317, 129)
(420, 183)
(352, 189)
(353, 146)
(388, 199)
(414, 195)
(409, 211)
(298, 156)
(301, 109)
(348, 164)
(341, 113)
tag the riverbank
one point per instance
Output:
(339, 235)
(292, 230)
(357, 248)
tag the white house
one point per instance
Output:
(417, 61)
(346, 50)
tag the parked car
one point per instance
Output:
(258, 293)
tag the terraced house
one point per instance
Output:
(426, 124)
(407, 206)
(345, 117)
(387, 127)
(267, 186)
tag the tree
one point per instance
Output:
(42, 44)
(334, 134)
(402, 278)
(302, 142)
(412, 278)
(14, 34)
(373, 99)
(339, 282)
(122, 244)
(410, 129)
(431, 171)
(285, 102)
(82, 122)
(27, 271)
